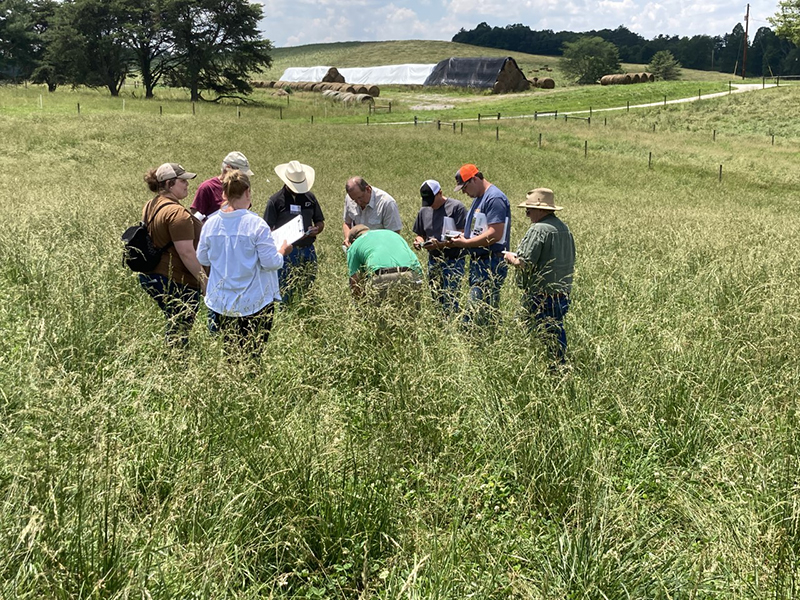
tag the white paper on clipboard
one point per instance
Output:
(290, 233)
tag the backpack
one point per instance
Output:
(139, 253)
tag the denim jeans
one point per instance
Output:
(486, 277)
(298, 273)
(444, 277)
(250, 333)
(545, 314)
(179, 303)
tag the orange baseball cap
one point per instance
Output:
(464, 174)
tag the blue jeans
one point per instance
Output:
(486, 277)
(444, 277)
(545, 314)
(179, 303)
(298, 273)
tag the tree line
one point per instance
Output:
(207, 46)
(767, 54)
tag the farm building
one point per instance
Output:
(498, 74)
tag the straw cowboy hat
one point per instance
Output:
(298, 177)
(540, 198)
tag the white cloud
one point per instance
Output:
(319, 21)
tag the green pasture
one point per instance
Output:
(367, 54)
(410, 461)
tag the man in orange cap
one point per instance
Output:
(487, 235)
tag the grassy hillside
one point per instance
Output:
(409, 461)
(368, 54)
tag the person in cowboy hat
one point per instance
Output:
(545, 260)
(295, 198)
(208, 197)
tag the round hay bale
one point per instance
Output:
(635, 78)
(547, 83)
(607, 80)
(650, 77)
(328, 93)
(350, 89)
(308, 86)
(347, 97)
(364, 99)
(643, 78)
(626, 79)
(362, 89)
(374, 91)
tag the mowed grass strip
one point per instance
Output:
(353, 462)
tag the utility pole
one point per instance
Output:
(746, 28)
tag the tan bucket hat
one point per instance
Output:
(298, 177)
(541, 198)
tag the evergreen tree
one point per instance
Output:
(664, 66)
(217, 46)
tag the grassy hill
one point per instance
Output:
(368, 54)
(355, 461)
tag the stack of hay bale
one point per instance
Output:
(626, 78)
(333, 76)
(310, 86)
(510, 79)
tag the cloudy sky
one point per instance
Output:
(298, 22)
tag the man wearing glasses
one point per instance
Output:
(486, 236)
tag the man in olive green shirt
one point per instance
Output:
(382, 258)
(545, 260)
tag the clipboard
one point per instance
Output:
(290, 232)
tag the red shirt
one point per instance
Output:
(208, 198)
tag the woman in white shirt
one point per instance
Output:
(243, 283)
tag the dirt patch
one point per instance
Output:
(432, 106)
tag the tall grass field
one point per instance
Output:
(409, 461)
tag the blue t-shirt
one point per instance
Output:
(492, 207)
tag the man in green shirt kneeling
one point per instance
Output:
(381, 264)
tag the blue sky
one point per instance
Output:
(319, 21)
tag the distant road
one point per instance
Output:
(738, 88)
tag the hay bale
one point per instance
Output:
(374, 91)
(362, 89)
(364, 99)
(650, 77)
(635, 78)
(350, 89)
(309, 86)
(547, 83)
(607, 80)
(347, 97)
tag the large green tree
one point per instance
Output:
(148, 32)
(787, 21)
(85, 45)
(217, 46)
(589, 58)
(22, 27)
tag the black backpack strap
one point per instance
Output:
(152, 218)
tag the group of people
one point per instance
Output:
(221, 250)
